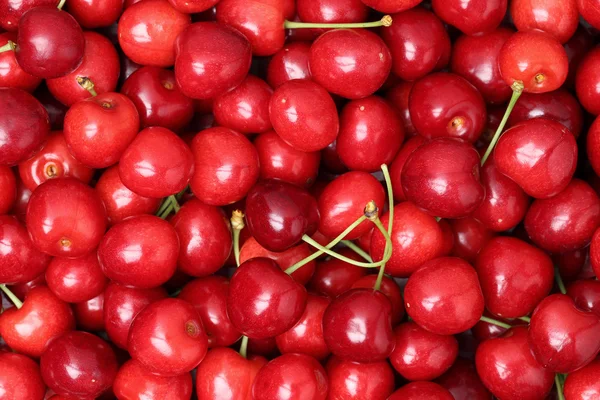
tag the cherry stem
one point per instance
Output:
(244, 347)
(9, 46)
(388, 250)
(61, 4)
(15, 300)
(559, 281)
(357, 250)
(237, 223)
(385, 21)
(524, 319)
(559, 388)
(517, 88)
(169, 205)
(87, 84)
(495, 322)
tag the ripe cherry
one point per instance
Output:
(586, 79)
(11, 74)
(291, 62)
(333, 277)
(421, 390)
(8, 182)
(586, 294)
(398, 96)
(398, 165)
(332, 10)
(559, 18)
(193, 6)
(76, 280)
(472, 16)
(577, 47)
(134, 381)
(351, 380)
(589, 11)
(95, 14)
(10, 14)
(90, 314)
(21, 378)
(463, 382)
(392, 291)
(584, 382)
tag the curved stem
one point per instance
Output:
(387, 254)
(390, 193)
(169, 205)
(244, 347)
(524, 319)
(61, 4)
(349, 244)
(237, 223)
(559, 388)
(517, 88)
(559, 281)
(495, 322)
(385, 21)
(14, 299)
(9, 46)
(87, 84)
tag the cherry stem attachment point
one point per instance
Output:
(87, 84)
(495, 322)
(559, 281)
(559, 387)
(14, 299)
(237, 223)
(349, 244)
(244, 347)
(61, 4)
(169, 205)
(385, 21)
(388, 244)
(9, 46)
(525, 319)
(517, 88)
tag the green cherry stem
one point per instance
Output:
(172, 205)
(385, 21)
(517, 88)
(495, 322)
(524, 319)
(559, 281)
(87, 84)
(237, 223)
(15, 300)
(357, 250)
(244, 347)
(9, 46)
(559, 387)
(388, 250)
(61, 4)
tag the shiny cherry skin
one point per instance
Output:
(90, 314)
(99, 129)
(391, 6)
(53, 161)
(21, 290)
(509, 268)
(371, 134)
(121, 306)
(418, 42)
(332, 11)
(11, 74)
(194, 6)
(398, 96)
(8, 182)
(583, 384)
(148, 32)
(472, 16)
(304, 115)
(390, 288)
(586, 79)
(562, 337)
(59, 231)
(92, 358)
(213, 46)
(140, 252)
(278, 214)
(308, 380)
(100, 64)
(463, 383)
(42, 318)
(540, 155)
(333, 277)
(593, 145)
(21, 378)
(226, 166)
(416, 239)
(343, 201)
(502, 362)
(133, 381)
(444, 189)
(157, 98)
(291, 62)
(586, 294)
(444, 296)
(577, 206)
(76, 280)
(590, 12)
(447, 105)
(421, 391)
(24, 133)
(157, 163)
(536, 59)
(398, 165)
(559, 18)
(11, 13)
(575, 264)
(351, 380)
(63, 39)
(92, 14)
(167, 337)
(594, 253)
(470, 236)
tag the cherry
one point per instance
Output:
(263, 347)
(502, 362)
(463, 383)
(589, 11)
(556, 17)
(213, 46)
(167, 338)
(577, 47)
(333, 277)
(331, 160)
(24, 133)
(586, 295)
(583, 383)
(226, 166)
(11, 74)
(297, 375)
(444, 296)
(586, 80)
(332, 10)
(352, 380)
(575, 264)
(21, 378)
(390, 288)
(157, 98)
(398, 96)
(578, 209)
(55, 109)
(418, 42)
(593, 145)
(75, 280)
(95, 14)
(194, 6)
(90, 314)
(421, 391)
(594, 253)
(121, 306)
(59, 231)
(291, 62)
(135, 382)
(470, 236)
(8, 182)
(472, 16)
(304, 115)
(11, 13)
(398, 165)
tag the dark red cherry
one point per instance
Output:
(575, 264)
(21, 378)
(213, 46)
(418, 42)
(263, 347)
(351, 380)
(398, 96)
(89, 315)
(94, 13)
(136, 382)
(55, 109)
(444, 296)
(391, 6)
(398, 165)
(390, 288)
(11, 74)
(333, 277)
(445, 189)
(484, 330)
(462, 381)
(65, 218)
(559, 18)
(586, 82)
(421, 391)
(291, 62)
(10, 13)
(8, 183)
(471, 16)
(578, 210)
(586, 294)
(580, 44)
(593, 145)
(594, 253)
(76, 280)
(584, 383)
(470, 236)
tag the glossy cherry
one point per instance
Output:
(392, 291)
(583, 383)
(586, 79)
(76, 280)
(94, 13)
(11, 13)
(472, 16)
(351, 380)
(333, 277)
(398, 165)
(586, 294)
(291, 62)
(90, 314)
(391, 6)
(134, 381)
(332, 10)
(21, 378)
(398, 96)
(462, 381)
(470, 236)
(11, 74)
(559, 18)
(593, 145)
(421, 391)
(589, 11)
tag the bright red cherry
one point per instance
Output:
(559, 18)
(421, 391)
(332, 11)
(584, 383)
(398, 165)
(463, 383)
(133, 381)
(8, 183)
(21, 378)
(193, 6)
(390, 288)
(11, 74)
(90, 314)
(333, 277)
(471, 16)
(398, 96)
(470, 236)
(75, 280)
(589, 11)
(10, 13)
(586, 80)
(95, 13)
(586, 294)
(391, 6)
(291, 62)
(353, 381)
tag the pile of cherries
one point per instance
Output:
(299, 199)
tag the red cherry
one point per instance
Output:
(463, 383)
(21, 378)
(390, 288)
(95, 14)
(470, 236)
(76, 280)
(583, 383)
(421, 391)
(263, 347)
(351, 380)
(59, 230)
(472, 16)
(181, 343)
(586, 80)
(575, 264)
(577, 48)
(21, 290)
(398, 97)
(10, 13)
(333, 277)
(398, 165)
(8, 182)
(586, 294)
(589, 11)
(332, 11)
(291, 62)
(484, 330)
(90, 314)
(226, 166)
(11, 74)
(559, 18)
(593, 145)
(135, 382)
(444, 296)
(391, 6)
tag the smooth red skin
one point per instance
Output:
(586, 294)
(214, 46)
(226, 166)
(583, 384)
(93, 359)
(209, 297)
(148, 32)
(80, 219)
(11, 74)
(304, 115)
(31, 328)
(397, 165)
(21, 290)
(586, 81)
(121, 306)
(526, 54)
(343, 201)
(263, 347)
(76, 280)
(593, 145)
(562, 337)
(306, 336)
(503, 362)
(157, 98)
(578, 207)
(193, 6)
(416, 239)
(140, 251)
(95, 13)
(471, 16)
(391, 6)
(475, 58)
(463, 383)
(10, 13)
(351, 380)
(540, 155)
(418, 42)
(421, 391)
(291, 62)
(297, 375)
(24, 133)
(331, 161)
(8, 183)
(56, 156)
(21, 378)
(332, 11)
(559, 18)
(483, 331)
(447, 238)
(594, 254)
(90, 314)
(333, 277)
(263, 301)
(398, 96)
(470, 236)
(444, 189)
(133, 381)
(510, 268)
(436, 100)
(167, 337)
(575, 264)
(371, 134)
(390, 288)
(119, 201)
(444, 296)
